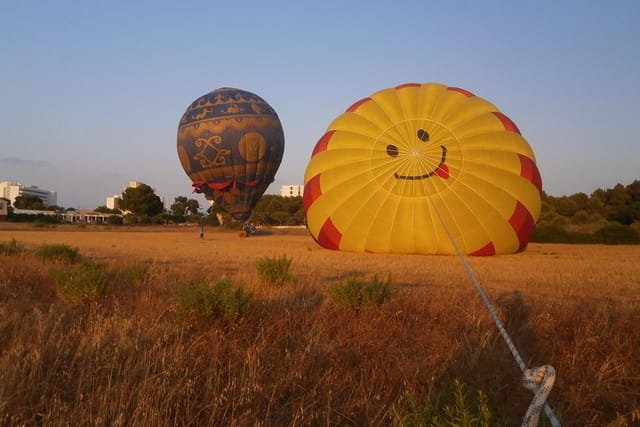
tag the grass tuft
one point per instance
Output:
(452, 405)
(274, 271)
(198, 301)
(82, 284)
(11, 248)
(58, 252)
(356, 292)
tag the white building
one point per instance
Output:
(113, 202)
(291, 190)
(11, 190)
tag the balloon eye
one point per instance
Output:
(423, 135)
(392, 150)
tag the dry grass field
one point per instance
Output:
(296, 359)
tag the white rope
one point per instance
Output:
(539, 380)
(542, 391)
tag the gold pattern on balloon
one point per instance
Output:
(209, 147)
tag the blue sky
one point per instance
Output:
(91, 92)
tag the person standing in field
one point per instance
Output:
(201, 231)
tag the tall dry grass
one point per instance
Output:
(297, 359)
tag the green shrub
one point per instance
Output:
(622, 420)
(195, 300)
(38, 224)
(549, 233)
(230, 303)
(452, 406)
(57, 252)
(133, 275)
(610, 234)
(85, 283)
(581, 217)
(199, 301)
(11, 248)
(356, 292)
(115, 219)
(274, 271)
(617, 234)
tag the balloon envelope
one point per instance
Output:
(230, 143)
(397, 167)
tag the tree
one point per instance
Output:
(28, 201)
(106, 210)
(627, 214)
(114, 219)
(277, 210)
(182, 206)
(193, 207)
(179, 206)
(634, 190)
(141, 201)
(280, 217)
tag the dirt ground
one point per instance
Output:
(560, 270)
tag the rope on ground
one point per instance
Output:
(539, 380)
(541, 391)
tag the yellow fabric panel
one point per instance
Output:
(351, 214)
(328, 205)
(473, 107)
(429, 98)
(478, 125)
(462, 222)
(353, 161)
(376, 210)
(486, 217)
(501, 180)
(355, 123)
(373, 112)
(389, 102)
(452, 104)
(342, 139)
(497, 141)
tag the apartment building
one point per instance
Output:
(10, 190)
(291, 190)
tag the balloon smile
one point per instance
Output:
(442, 170)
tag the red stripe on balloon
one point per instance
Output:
(323, 142)
(507, 122)
(462, 91)
(407, 85)
(530, 172)
(219, 185)
(522, 223)
(329, 235)
(253, 183)
(356, 104)
(312, 191)
(486, 250)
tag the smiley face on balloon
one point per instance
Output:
(418, 152)
(410, 168)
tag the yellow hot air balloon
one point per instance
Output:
(411, 168)
(230, 143)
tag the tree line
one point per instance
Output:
(606, 216)
(141, 205)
